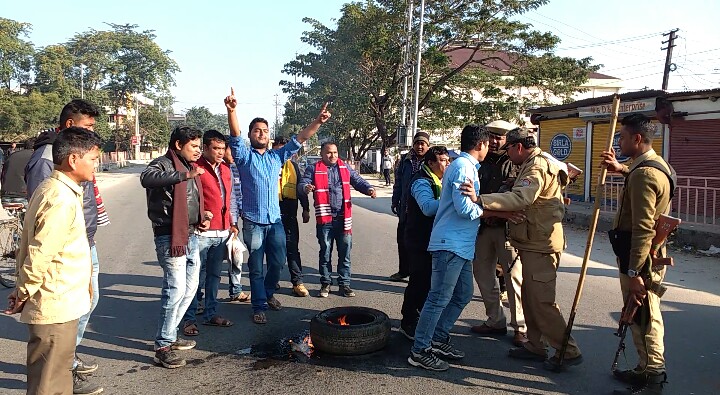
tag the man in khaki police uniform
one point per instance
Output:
(539, 241)
(492, 245)
(647, 194)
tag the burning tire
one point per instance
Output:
(350, 330)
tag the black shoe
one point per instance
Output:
(553, 364)
(166, 357)
(84, 367)
(408, 331)
(427, 360)
(399, 277)
(524, 353)
(81, 385)
(183, 344)
(446, 350)
(653, 385)
(346, 291)
(630, 376)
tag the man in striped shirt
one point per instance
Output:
(263, 231)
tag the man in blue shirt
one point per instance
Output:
(452, 245)
(331, 179)
(263, 231)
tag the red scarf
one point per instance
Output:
(180, 220)
(323, 213)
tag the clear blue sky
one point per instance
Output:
(245, 44)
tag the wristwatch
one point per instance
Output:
(632, 273)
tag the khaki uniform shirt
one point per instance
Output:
(54, 264)
(537, 191)
(645, 197)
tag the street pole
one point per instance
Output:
(406, 63)
(82, 81)
(137, 127)
(669, 66)
(417, 68)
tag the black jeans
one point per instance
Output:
(386, 173)
(292, 237)
(404, 267)
(418, 287)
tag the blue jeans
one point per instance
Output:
(451, 289)
(263, 241)
(234, 277)
(212, 253)
(180, 281)
(82, 323)
(326, 234)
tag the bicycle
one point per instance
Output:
(10, 233)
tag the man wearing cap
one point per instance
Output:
(492, 246)
(409, 164)
(540, 241)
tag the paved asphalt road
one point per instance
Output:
(122, 328)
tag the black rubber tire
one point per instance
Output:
(350, 340)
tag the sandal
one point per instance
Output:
(274, 304)
(218, 321)
(190, 329)
(259, 318)
(241, 297)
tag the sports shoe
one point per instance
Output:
(407, 330)
(300, 290)
(325, 291)
(346, 291)
(82, 386)
(446, 350)
(84, 367)
(165, 356)
(427, 360)
(183, 344)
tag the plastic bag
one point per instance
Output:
(236, 251)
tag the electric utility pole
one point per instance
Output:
(277, 116)
(406, 65)
(669, 65)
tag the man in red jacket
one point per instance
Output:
(220, 209)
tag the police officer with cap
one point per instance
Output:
(492, 245)
(539, 239)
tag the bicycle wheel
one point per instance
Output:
(10, 232)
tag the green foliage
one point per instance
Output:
(201, 118)
(15, 53)
(360, 63)
(154, 126)
(120, 61)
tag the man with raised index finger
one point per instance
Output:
(262, 228)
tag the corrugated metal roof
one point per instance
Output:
(624, 97)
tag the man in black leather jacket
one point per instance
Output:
(174, 227)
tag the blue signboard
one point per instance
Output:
(560, 146)
(616, 146)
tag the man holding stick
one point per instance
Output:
(647, 195)
(540, 241)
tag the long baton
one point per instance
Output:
(599, 195)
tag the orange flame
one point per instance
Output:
(342, 322)
(308, 341)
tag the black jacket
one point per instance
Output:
(418, 226)
(494, 171)
(401, 188)
(159, 180)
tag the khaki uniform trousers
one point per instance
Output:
(491, 247)
(648, 340)
(545, 323)
(50, 355)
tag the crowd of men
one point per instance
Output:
(500, 202)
